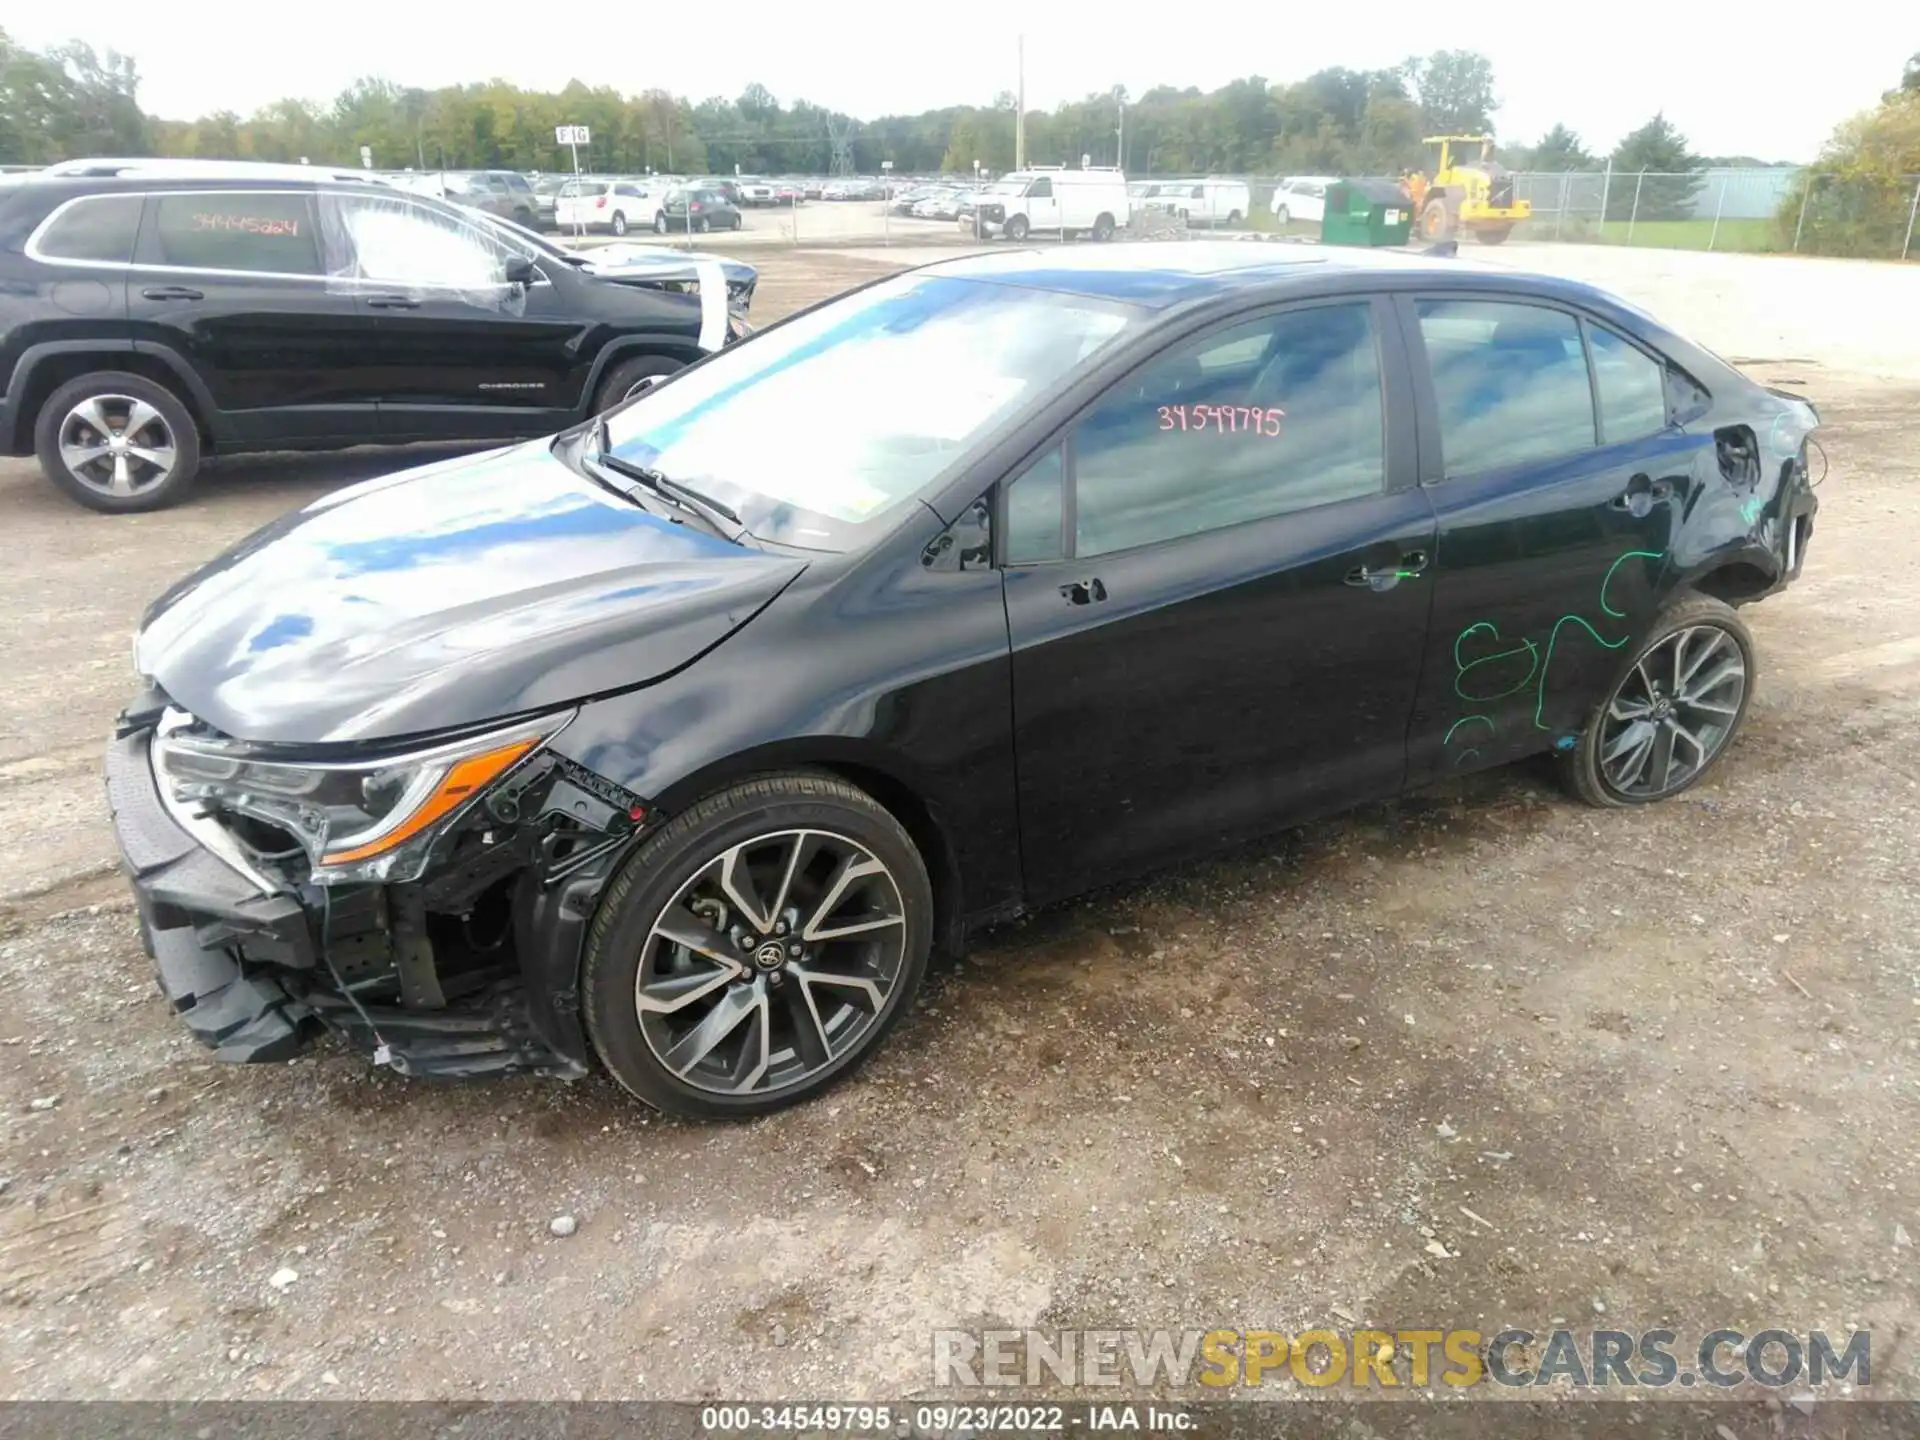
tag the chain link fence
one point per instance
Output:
(1779, 211)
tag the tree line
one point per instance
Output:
(72, 101)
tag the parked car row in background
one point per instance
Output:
(233, 307)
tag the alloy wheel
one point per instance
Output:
(771, 963)
(117, 445)
(1674, 711)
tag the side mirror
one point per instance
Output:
(519, 270)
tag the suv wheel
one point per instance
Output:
(1283, 217)
(619, 226)
(659, 222)
(758, 948)
(1673, 709)
(629, 377)
(117, 442)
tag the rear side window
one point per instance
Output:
(99, 228)
(263, 233)
(1633, 388)
(1510, 381)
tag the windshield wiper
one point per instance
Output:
(676, 492)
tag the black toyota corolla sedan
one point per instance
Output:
(677, 742)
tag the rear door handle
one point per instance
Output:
(1084, 592)
(392, 302)
(1643, 492)
(172, 292)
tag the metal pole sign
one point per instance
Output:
(1906, 246)
(573, 137)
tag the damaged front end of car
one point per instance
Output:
(426, 902)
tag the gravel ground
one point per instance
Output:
(1666, 1059)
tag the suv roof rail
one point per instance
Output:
(163, 168)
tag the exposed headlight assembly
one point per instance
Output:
(373, 819)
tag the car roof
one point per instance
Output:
(1160, 274)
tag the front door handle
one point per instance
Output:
(172, 292)
(392, 302)
(1084, 592)
(1380, 579)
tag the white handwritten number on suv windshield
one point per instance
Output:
(1223, 419)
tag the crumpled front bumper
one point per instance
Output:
(241, 965)
(197, 913)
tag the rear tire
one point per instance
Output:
(1233, 218)
(118, 443)
(1103, 228)
(624, 378)
(1655, 690)
(659, 222)
(1283, 217)
(818, 1016)
(701, 225)
(619, 222)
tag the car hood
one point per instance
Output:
(444, 596)
(622, 259)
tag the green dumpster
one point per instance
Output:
(1366, 212)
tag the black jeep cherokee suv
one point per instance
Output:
(152, 313)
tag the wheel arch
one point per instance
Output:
(683, 348)
(44, 368)
(892, 784)
(1734, 580)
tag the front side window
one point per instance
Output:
(828, 421)
(398, 243)
(1291, 418)
(1632, 386)
(1033, 511)
(1041, 189)
(100, 228)
(1510, 381)
(260, 232)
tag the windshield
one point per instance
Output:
(815, 429)
(1008, 187)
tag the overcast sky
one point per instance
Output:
(1733, 78)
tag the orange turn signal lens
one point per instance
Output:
(463, 780)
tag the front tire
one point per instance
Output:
(694, 996)
(117, 442)
(1017, 228)
(1233, 218)
(1283, 217)
(1436, 221)
(1493, 234)
(627, 378)
(1673, 710)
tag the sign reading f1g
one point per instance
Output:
(571, 135)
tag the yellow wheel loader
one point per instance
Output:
(1466, 190)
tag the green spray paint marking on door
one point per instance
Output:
(1515, 665)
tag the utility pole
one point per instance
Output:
(1020, 111)
(1120, 132)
